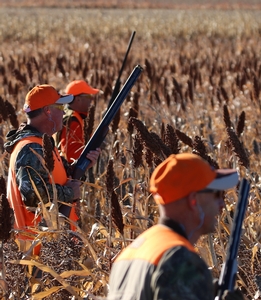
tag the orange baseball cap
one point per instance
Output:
(78, 87)
(181, 174)
(43, 95)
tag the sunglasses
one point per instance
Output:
(58, 106)
(217, 193)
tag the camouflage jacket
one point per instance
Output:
(29, 166)
(180, 274)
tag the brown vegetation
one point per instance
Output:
(200, 92)
(116, 4)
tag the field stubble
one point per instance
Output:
(200, 89)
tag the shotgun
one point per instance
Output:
(118, 82)
(100, 133)
(81, 164)
(229, 270)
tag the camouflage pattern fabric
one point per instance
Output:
(28, 167)
(182, 274)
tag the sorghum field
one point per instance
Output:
(199, 92)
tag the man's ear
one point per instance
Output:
(46, 110)
(192, 201)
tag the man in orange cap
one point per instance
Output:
(162, 263)
(28, 178)
(70, 140)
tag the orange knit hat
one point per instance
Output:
(78, 87)
(43, 95)
(181, 174)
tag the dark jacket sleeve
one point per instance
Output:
(182, 274)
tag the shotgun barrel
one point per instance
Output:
(100, 133)
(229, 270)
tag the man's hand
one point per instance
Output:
(228, 295)
(75, 185)
(93, 156)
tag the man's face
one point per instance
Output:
(210, 204)
(57, 112)
(83, 102)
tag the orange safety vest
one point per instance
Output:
(78, 117)
(23, 217)
(153, 243)
(63, 137)
(134, 273)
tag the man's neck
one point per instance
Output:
(41, 126)
(175, 226)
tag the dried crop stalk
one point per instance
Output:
(5, 230)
